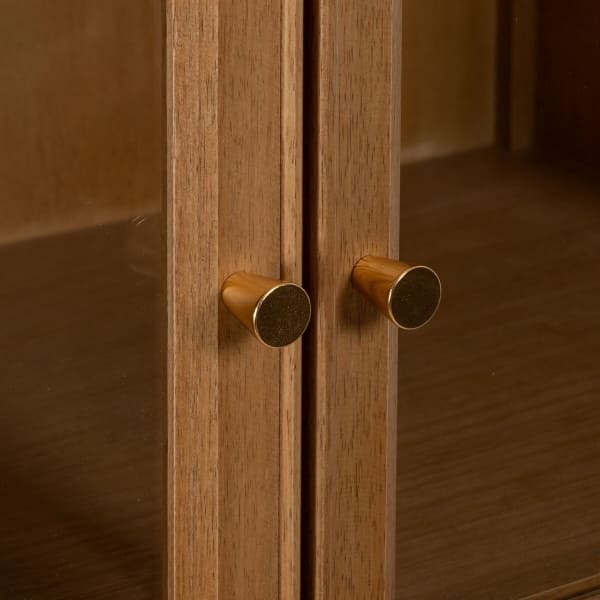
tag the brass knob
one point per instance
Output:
(407, 295)
(276, 312)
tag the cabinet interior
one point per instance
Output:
(498, 449)
(82, 411)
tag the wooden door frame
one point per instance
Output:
(233, 202)
(353, 165)
(351, 393)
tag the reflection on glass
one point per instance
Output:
(81, 377)
(499, 415)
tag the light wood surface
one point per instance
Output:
(193, 539)
(249, 117)
(233, 423)
(353, 206)
(292, 206)
(499, 420)
(80, 114)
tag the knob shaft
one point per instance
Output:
(276, 312)
(408, 295)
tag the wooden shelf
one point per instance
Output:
(499, 416)
(81, 420)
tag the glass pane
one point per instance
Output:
(82, 301)
(499, 416)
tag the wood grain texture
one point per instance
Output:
(292, 49)
(80, 114)
(233, 138)
(567, 119)
(249, 240)
(192, 129)
(498, 453)
(352, 206)
(577, 590)
(81, 419)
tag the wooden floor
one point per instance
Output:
(499, 416)
(81, 412)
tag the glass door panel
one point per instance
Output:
(499, 412)
(82, 301)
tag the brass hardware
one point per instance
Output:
(275, 312)
(408, 295)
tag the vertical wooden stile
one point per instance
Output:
(233, 201)
(354, 211)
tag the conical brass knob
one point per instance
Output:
(407, 295)
(276, 312)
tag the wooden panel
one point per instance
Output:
(499, 420)
(353, 209)
(291, 269)
(193, 279)
(234, 202)
(568, 95)
(517, 48)
(523, 73)
(79, 113)
(448, 76)
(249, 240)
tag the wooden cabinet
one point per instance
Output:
(151, 447)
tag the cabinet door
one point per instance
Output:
(352, 74)
(494, 439)
(150, 445)
(233, 138)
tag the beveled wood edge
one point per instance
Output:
(191, 71)
(291, 270)
(325, 21)
(393, 252)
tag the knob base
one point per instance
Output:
(276, 312)
(408, 295)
